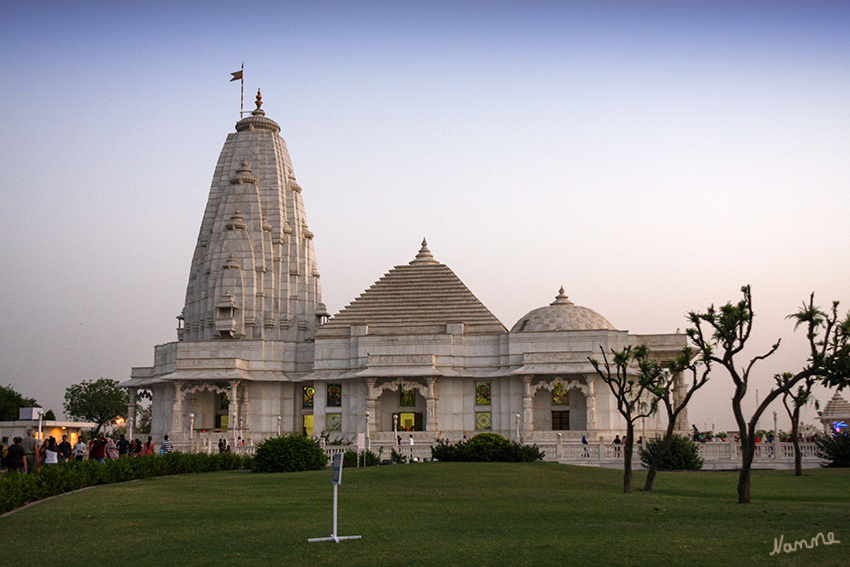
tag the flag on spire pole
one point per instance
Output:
(239, 76)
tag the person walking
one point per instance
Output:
(149, 447)
(97, 449)
(123, 446)
(79, 451)
(31, 449)
(65, 449)
(111, 449)
(16, 457)
(166, 446)
(51, 452)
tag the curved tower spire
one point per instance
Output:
(253, 273)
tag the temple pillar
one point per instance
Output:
(233, 408)
(527, 406)
(371, 404)
(244, 410)
(431, 423)
(177, 410)
(591, 405)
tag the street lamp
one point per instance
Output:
(395, 428)
(192, 432)
(278, 426)
(517, 428)
(775, 438)
(368, 439)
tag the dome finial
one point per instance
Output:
(259, 102)
(424, 254)
(561, 298)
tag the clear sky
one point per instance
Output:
(650, 157)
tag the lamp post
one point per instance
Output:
(395, 429)
(233, 419)
(517, 428)
(368, 439)
(192, 432)
(278, 426)
(775, 438)
(40, 418)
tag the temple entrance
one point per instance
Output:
(410, 421)
(560, 420)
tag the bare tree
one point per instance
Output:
(663, 386)
(797, 399)
(630, 389)
(721, 334)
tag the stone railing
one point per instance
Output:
(716, 456)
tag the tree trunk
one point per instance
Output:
(656, 462)
(746, 431)
(627, 456)
(747, 454)
(798, 458)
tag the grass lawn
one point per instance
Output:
(438, 514)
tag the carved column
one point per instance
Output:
(431, 423)
(372, 404)
(177, 410)
(527, 406)
(233, 407)
(244, 409)
(591, 404)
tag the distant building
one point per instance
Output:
(256, 353)
(835, 416)
(28, 420)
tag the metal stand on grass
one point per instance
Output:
(336, 479)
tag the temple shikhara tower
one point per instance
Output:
(253, 301)
(256, 354)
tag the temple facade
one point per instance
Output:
(257, 354)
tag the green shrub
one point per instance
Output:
(17, 489)
(835, 450)
(289, 453)
(351, 458)
(682, 454)
(486, 447)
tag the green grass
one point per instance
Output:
(438, 514)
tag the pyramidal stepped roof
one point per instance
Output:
(420, 297)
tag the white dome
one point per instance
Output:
(561, 315)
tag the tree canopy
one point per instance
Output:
(99, 401)
(721, 334)
(11, 402)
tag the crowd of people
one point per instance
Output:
(28, 455)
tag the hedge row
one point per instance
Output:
(18, 489)
(486, 447)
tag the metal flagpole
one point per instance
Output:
(241, 76)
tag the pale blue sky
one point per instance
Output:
(650, 158)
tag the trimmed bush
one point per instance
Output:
(486, 447)
(835, 450)
(290, 453)
(682, 454)
(17, 489)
